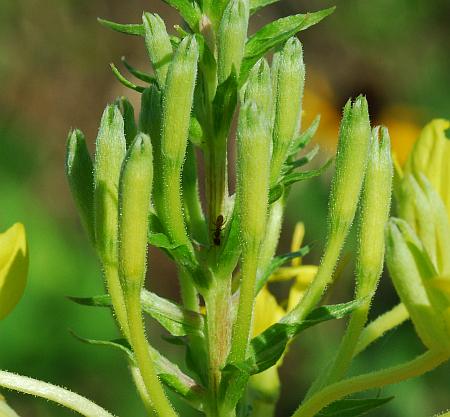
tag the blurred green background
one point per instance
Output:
(54, 75)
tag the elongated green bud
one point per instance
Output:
(80, 173)
(376, 202)
(409, 266)
(258, 88)
(178, 99)
(134, 206)
(158, 45)
(288, 80)
(110, 152)
(127, 110)
(253, 173)
(231, 38)
(351, 161)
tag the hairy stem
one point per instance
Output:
(53, 393)
(418, 366)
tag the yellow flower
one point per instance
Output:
(13, 267)
(268, 310)
(431, 156)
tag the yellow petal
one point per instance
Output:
(431, 156)
(304, 278)
(297, 239)
(267, 311)
(5, 409)
(442, 284)
(13, 267)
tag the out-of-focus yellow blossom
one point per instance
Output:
(265, 386)
(13, 267)
(5, 409)
(268, 310)
(431, 156)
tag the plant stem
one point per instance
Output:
(111, 274)
(243, 322)
(377, 328)
(418, 366)
(218, 303)
(140, 387)
(53, 393)
(139, 343)
(323, 278)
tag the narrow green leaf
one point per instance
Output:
(276, 33)
(120, 344)
(276, 262)
(267, 348)
(302, 140)
(276, 193)
(256, 5)
(175, 319)
(306, 159)
(353, 407)
(140, 75)
(189, 11)
(301, 176)
(129, 29)
(169, 373)
(124, 81)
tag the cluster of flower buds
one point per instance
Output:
(418, 243)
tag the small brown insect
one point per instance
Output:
(220, 221)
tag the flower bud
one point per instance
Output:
(288, 81)
(177, 103)
(127, 110)
(80, 173)
(253, 173)
(430, 157)
(376, 202)
(110, 152)
(258, 88)
(351, 161)
(423, 209)
(232, 36)
(13, 267)
(410, 267)
(158, 45)
(134, 206)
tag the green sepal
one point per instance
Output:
(304, 138)
(353, 407)
(127, 110)
(263, 276)
(124, 81)
(80, 174)
(168, 372)
(140, 75)
(275, 193)
(189, 11)
(174, 318)
(276, 33)
(128, 29)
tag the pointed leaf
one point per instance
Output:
(140, 75)
(129, 29)
(189, 11)
(256, 5)
(306, 136)
(301, 176)
(175, 319)
(353, 407)
(124, 81)
(276, 33)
